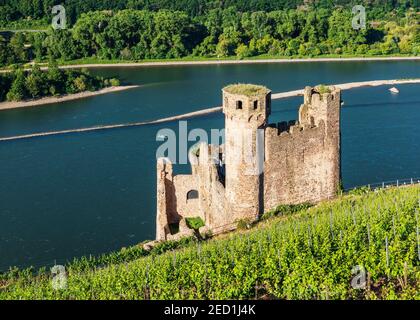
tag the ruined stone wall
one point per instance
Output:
(165, 198)
(173, 207)
(212, 191)
(186, 208)
(295, 170)
(302, 161)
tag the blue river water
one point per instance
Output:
(87, 193)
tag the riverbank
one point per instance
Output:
(69, 97)
(92, 63)
(234, 61)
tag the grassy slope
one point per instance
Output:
(306, 255)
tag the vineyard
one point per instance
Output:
(360, 246)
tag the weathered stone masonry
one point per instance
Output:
(260, 166)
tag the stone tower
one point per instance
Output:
(246, 108)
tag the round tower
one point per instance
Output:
(246, 108)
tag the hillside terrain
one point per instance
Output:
(29, 11)
(364, 245)
(137, 30)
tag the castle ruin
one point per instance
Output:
(260, 166)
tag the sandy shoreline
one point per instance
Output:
(214, 62)
(218, 62)
(347, 86)
(49, 100)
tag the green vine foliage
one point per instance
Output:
(306, 255)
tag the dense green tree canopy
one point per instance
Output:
(20, 85)
(132, 34)
(12, 10)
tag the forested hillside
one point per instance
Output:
(132, 34)
(12, 10)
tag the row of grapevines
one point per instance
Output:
(356, 247)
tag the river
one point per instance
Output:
(93, 192)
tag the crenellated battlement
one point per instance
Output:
(292, 136)
(291, 127)
(302, 158)
(320, 94)
(320, 103)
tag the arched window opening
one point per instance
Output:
(239, 105)
(192, 194)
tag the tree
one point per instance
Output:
(80, 83)
(207, 48)
(213, 22)
(89, 32)
(231, 19)
(389, 46)
(261, 45)
(35, 82)
(17, 91)
(18, 49)
(342, 34)
(37, 39)
(7, 14)
(4, 52)
(256, 24)
(126, 29)
(277, 48)
(55, 78)
(286, 24)
(114, 82)
(292, 47)
(228, 42)
(243, 51)
(61, 44)
(170, 34)
(5, 83)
